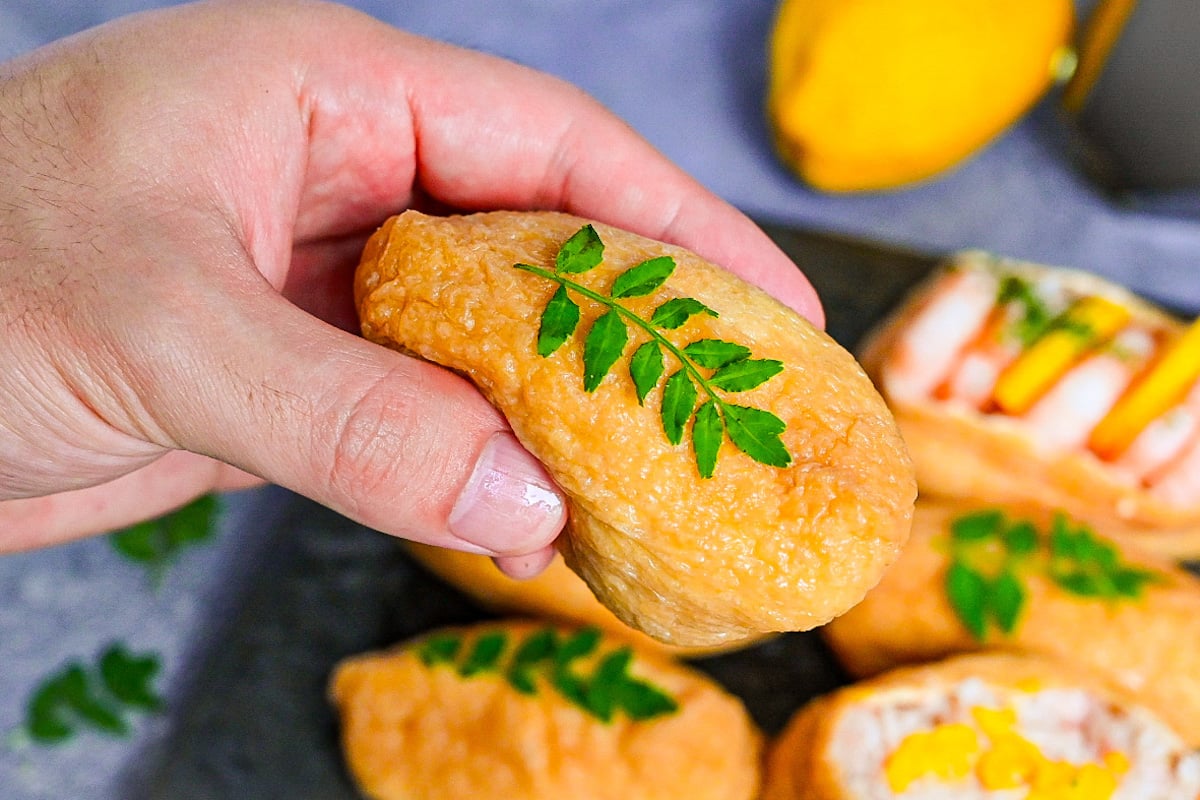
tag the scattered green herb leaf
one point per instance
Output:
(967, 592)
(756, 433)
(607, 690)
(646, 367)
(559, 321)
(675, 312)
(679, 398)
(156, 543)
(1032, 315)
(644, 278)
(602, 348)
(95, 697)
(753, 431)
(485, 655)
(745, 374)
(989, 554)
(582, 252)
(440, 649)
(708, 431)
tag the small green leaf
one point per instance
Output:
(193, 523)
(646, 277)
(559, 320)
(537, 648)
(756, 433)
(45, 719)
(678, 402)
(582, 644)
(579, 645)
(485, 655)
(1021, 539)
(582, 252)
(1130, 582)
(440, 649)
(602, 348)
(745, 374)
(646, 367)
(156, 542)
(715, 353)
(1081, 584)
(1006, 599)
(976, 526)
(142, 542)
(966, 590)
(707, 434)
(675, 312)
(642, 701)
(128, 677)
(602, 688)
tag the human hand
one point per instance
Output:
(183, 197)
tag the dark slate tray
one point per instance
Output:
(251, 720)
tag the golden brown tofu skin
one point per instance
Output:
(688, 560)
(935, 360)
(556, 593)
(976, 727)
(442, 718)
(963, 584)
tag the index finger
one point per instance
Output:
(486, 133)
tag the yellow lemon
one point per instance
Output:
(872, 94)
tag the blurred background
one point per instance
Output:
(693, 77)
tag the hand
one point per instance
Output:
(183, 197)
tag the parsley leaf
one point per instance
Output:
(602, 348)
(753, 431)
(708, 431)
(646, 367)
(95, 697)
(646, 277)
(675, 312)
(559, 320)
(582, 252)
(156, 543)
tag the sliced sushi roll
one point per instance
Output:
(977, 577)
(980, 727)
(1017, 382)
(528, 711)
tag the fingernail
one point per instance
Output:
(509, 505)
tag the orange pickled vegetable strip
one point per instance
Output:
(1086, 324)
(1161, 388)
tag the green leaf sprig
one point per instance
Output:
(97, 696)
(991, 555)
(607, 690)
(706, 366)
(156, 543)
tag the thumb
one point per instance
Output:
(395, 443)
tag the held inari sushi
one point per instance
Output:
(982, 726)
(523, 711)
(1015, 382)
(729, 469)
(980, 577)
(556, 593)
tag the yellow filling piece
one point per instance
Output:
(1006, 760)
(1162, 387)
(1088, 322)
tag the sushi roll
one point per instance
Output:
(1021, 383)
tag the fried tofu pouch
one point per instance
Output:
(1015, 382)
(555, 593)
(523, 711)
(976, 727)
(688, 560)
(1032, 582)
